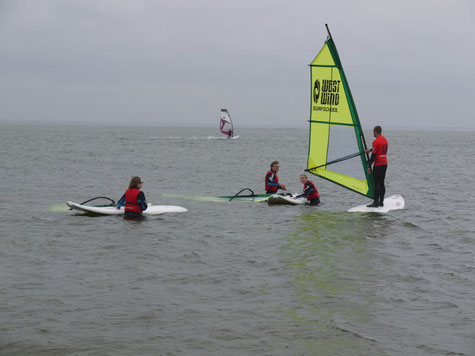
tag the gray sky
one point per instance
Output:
(410, 64)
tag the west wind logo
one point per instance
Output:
(316, 91)
(328, 92)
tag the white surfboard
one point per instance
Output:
(394, 202)
(215, 138)
(277, 199)
(226, 138)
(112, 210)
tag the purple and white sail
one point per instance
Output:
(225, 123)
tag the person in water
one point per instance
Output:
(134, 199)
(379, 158)
(272, 180)
(310, 191)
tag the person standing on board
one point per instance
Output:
(272, 180)
(134, 200)
(378, 156)
(310, 191)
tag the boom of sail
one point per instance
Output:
(337, 146)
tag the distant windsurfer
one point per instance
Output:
(379, 158)
(310, 191)
(272, 180)
(134, 200)
(225, 123)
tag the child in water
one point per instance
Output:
(134, 200)
(310, 191)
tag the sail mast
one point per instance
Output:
(328, 30)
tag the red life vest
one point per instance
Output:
(272, 188)
(314, 194)
(131, 200)
(380, 149)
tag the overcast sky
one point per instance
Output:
(410, 64)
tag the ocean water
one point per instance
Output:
(231, 278)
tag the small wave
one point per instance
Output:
(354, 333)
(191, 138)
(412, 225)
(434, 351)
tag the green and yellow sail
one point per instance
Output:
(336, 140)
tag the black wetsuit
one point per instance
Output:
(379, 174)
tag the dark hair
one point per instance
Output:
(134, 182)
(378, 129)
(272, 164)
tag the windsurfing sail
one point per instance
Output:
(225, 123)
(336, 149)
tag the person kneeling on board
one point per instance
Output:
(310, 191)
(272, 180)
(134, 200)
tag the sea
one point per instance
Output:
(231, 278)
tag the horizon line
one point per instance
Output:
(189, 125)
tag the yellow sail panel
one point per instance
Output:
(360, 186)
(318, 149)
(324, 57)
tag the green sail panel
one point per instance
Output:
(335, 130)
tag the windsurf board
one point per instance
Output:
(112, 210)
(278, 199)
(394, 202)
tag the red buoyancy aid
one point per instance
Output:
(380, 149)
(274, 179)
(131, 200)
(314, 194)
